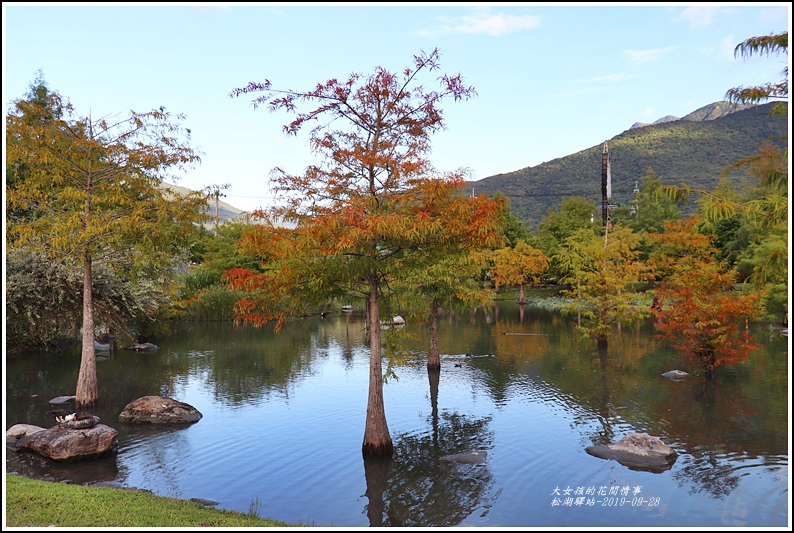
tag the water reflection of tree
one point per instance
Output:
(237, 363)
(35, 466)
(714, 424)
(349, 330)
(415, 488)
(707, 473)
(245, 362)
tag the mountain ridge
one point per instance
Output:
(711, 111)
(693, 152)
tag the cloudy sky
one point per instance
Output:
(551, 79)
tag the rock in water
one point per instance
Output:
(638, 451)
(676, 375)
(18, 432)
(159, 410)
(60, 443)
(143, 347)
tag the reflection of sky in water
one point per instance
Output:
(295, 446)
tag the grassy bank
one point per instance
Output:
(41, 503)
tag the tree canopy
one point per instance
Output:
(88, 192)
(369, 210)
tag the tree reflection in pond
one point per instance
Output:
(415, 488)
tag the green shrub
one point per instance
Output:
(214, 304)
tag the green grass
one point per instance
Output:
(42, 503)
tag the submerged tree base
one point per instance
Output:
(380, 449)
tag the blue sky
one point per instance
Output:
(552, 79)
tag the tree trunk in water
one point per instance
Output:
(602, 344)
(377, 441)
(521, 299)
(602, 354)
(434, 376)
(433, 360)
(709, 364)
(376, 475)
(87, 393)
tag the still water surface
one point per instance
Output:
(283, 424)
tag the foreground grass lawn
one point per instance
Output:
(41, 503)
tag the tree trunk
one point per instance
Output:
(367, 338)
(377, 441)
(521, 299)
(433, 360)
(87, 393)
(709, 364)
(602, 343)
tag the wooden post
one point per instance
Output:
(604, 186)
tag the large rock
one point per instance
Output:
(159, 410)
(638, 451)
(18, 432)
(61, 443)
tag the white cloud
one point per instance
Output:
(482, 21)
(699, 16)
(648, 55)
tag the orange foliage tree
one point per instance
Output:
(518, 265)
(92, 192)
(701, 314)
(368, 212)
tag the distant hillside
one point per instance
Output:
(225, 211)
(715, 111)
(688, 151)
(668, 118)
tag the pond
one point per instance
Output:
(283, 424)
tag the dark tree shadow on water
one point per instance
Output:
(86, 472)
(417, 488)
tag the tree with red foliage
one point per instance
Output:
(701, 314)
(371, 211)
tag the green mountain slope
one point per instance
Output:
(682, 151)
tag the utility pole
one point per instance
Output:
(606, 186)
(215, 190)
